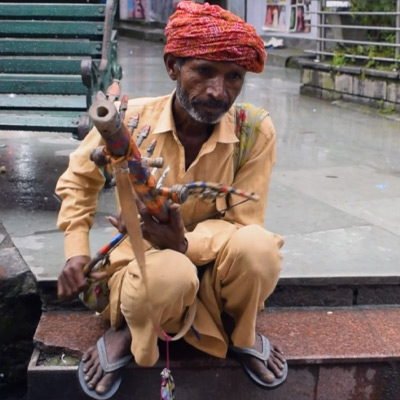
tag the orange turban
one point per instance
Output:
(211, 33)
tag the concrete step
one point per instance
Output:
(290, 292)
(347, 353)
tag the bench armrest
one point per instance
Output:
(108, 31)
(89, 73)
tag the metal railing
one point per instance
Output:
(334, 37)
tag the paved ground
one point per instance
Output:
(334, 194)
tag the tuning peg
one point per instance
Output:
(160, 182)
(113, 91)
(143, 133)
(123, 106)
(150, 149)
(154, 171)
(152, 162)
(133, 122)
(100, 96)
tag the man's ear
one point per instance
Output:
(171, 65)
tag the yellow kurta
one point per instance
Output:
(79, 186)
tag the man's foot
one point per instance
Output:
(264, 362)
(275, 363)
(113, 348)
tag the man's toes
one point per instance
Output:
(88, 354)
(267, 376)
(276, 348)
(105, 383)
(101, 388)
(88, 364)
(276, 360)
(91, 371)
(89, 374)
(89, 361)
(276, 367)
(95, 378)
(278, 355)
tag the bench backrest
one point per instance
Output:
(56, 48)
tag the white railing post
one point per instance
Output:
(397, 49)
(321, 30)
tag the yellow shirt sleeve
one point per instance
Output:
(254, 176)
(78, 188)
(208, 237)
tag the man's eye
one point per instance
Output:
(235, 77)
(203, 70)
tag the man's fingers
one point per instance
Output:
(77, 280)
(175, 212)
(118, 222)
(70, 284)
(175, 215)
(113, 221)
(65, 289)
(61, 290)
(98, 275)
(139, 203)
(175, 208)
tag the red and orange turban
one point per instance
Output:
(211, 33)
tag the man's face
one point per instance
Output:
(207, 89)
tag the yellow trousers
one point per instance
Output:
(243, 275)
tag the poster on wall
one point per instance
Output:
(275, 15)
(133, 9)
(149, 10)
(288, 16)
(300, 18)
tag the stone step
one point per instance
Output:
(333, 353)
(290, 292)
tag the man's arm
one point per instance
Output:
(254, 176)
(206, 240)
(78, 189)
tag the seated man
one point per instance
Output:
(198, 129)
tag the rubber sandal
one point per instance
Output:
(263, 356)
(107, 367)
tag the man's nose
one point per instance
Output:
(216, 88)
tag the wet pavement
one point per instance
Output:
(334, 194)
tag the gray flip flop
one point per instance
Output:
(107, 367)
(263, 356)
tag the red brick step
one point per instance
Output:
(339, 353)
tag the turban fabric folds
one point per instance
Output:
(211, 33)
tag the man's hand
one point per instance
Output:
(164, 235)
(72, 280)
(118, 222)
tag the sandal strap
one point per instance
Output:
(109, 367)
(263, 355)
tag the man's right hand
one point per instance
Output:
(71, 280)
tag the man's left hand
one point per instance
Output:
(164, 235)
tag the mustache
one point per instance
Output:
(212, 103)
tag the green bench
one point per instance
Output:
(54, 57)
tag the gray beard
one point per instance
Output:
(183, 99)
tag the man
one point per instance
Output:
(208, 52)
